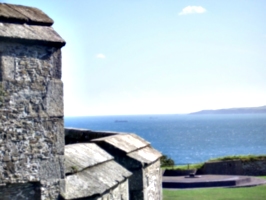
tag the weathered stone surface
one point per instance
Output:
(152, 181)
(34, 15)
(121, 157)
(52, 168)
(93, 174)
(83, 155)
(30, 34)
(26, 146)
(146, 183)
(8, 14)
(50, 189)
(120, 192)
(145, 155)
(29, 64)
(125, 142)
(54, 99)
(75, 135)
(31, 79)
(95, 180)
(23, 14)
(57, 124)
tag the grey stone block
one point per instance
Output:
(52, 168)
(53, 102)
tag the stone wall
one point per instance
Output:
(120, 192)
(152, 181)
(146, 183)
(235, 167)
(178, 172)
(31, 112)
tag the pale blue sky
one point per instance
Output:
(149, 57)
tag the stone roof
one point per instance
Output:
(145, 155)
(22, 14)
(27, 24)
(83, 155)
(134, 146)
(91, 171)
(77, 135)
(125, 142)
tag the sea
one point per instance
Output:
(189, 138)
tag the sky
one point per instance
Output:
(129, 57)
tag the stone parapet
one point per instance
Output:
(235, 167)
(76, 135)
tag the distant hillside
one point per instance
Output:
(250, 110)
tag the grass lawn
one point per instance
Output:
(245, 193)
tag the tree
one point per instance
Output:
(167, 162)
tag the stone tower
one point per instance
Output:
(31, 105)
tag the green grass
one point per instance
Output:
(246, 193)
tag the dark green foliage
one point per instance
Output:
(241, 157)
(167, 162)
(74, 169)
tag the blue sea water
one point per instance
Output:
(188, 139)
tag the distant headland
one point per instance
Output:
(248, 110)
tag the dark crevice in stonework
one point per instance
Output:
(1, 68)
(33, 42)
(21, 191)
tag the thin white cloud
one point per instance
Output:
(100, 56)
(192, 10)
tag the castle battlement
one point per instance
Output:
(32, 135)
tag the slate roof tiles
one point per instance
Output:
(134, 146)
(23, 14)
(91, 171)
(27, 24)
